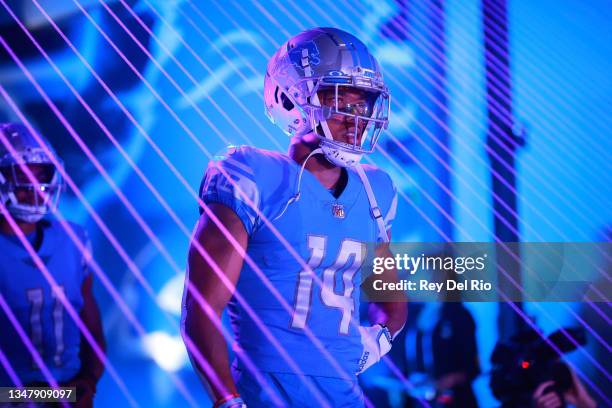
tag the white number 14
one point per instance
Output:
(350, 251)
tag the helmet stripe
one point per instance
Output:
(361, 56)
(330, 34)
(350, 45)
(365, 58)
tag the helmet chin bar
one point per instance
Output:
(31, 212)
(339, 157)
(27, 213)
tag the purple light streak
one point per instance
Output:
(588, 355)
(93, 264)
(245, 13)
(559, 90)
(558, 351)
(468, 185)
(439, 58)
(120, 249)
(592, 332)
(23, 335)
(103, 227)
(186, 71)
(261, 273)
(261, 276)
(52, 282)
(109, 235)
(407, 152)
(264, 31)
(243, 77)
(281, 353)
(59, 294)
(571, 311)
(495, 174)
(100, 169)
(114, 47)
(9, 369)
(556, 143)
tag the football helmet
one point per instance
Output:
(26, 200)
(333, 60)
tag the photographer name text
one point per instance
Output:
(478, 285)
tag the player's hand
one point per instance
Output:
(578, 395)
(376, 342)
(543, 397)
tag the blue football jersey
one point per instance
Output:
(52, 331)
(328, 233)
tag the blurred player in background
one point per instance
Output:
(325, 90)
(442, 355)
(53, 333)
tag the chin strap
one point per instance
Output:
(374, 209)
(294, 198)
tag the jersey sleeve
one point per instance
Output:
(231, 180)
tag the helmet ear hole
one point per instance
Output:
(287, 104)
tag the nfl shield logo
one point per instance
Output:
(338, 211)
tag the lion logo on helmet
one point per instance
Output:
(314, 56)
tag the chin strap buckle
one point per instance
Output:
(376, 213)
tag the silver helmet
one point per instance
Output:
(332, 59)
(42, 194)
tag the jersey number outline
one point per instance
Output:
(36, 299)
(350, 250)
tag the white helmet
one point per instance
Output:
(326, 58)
(27, 151)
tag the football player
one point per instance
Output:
(325, 90)
(56, 337)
